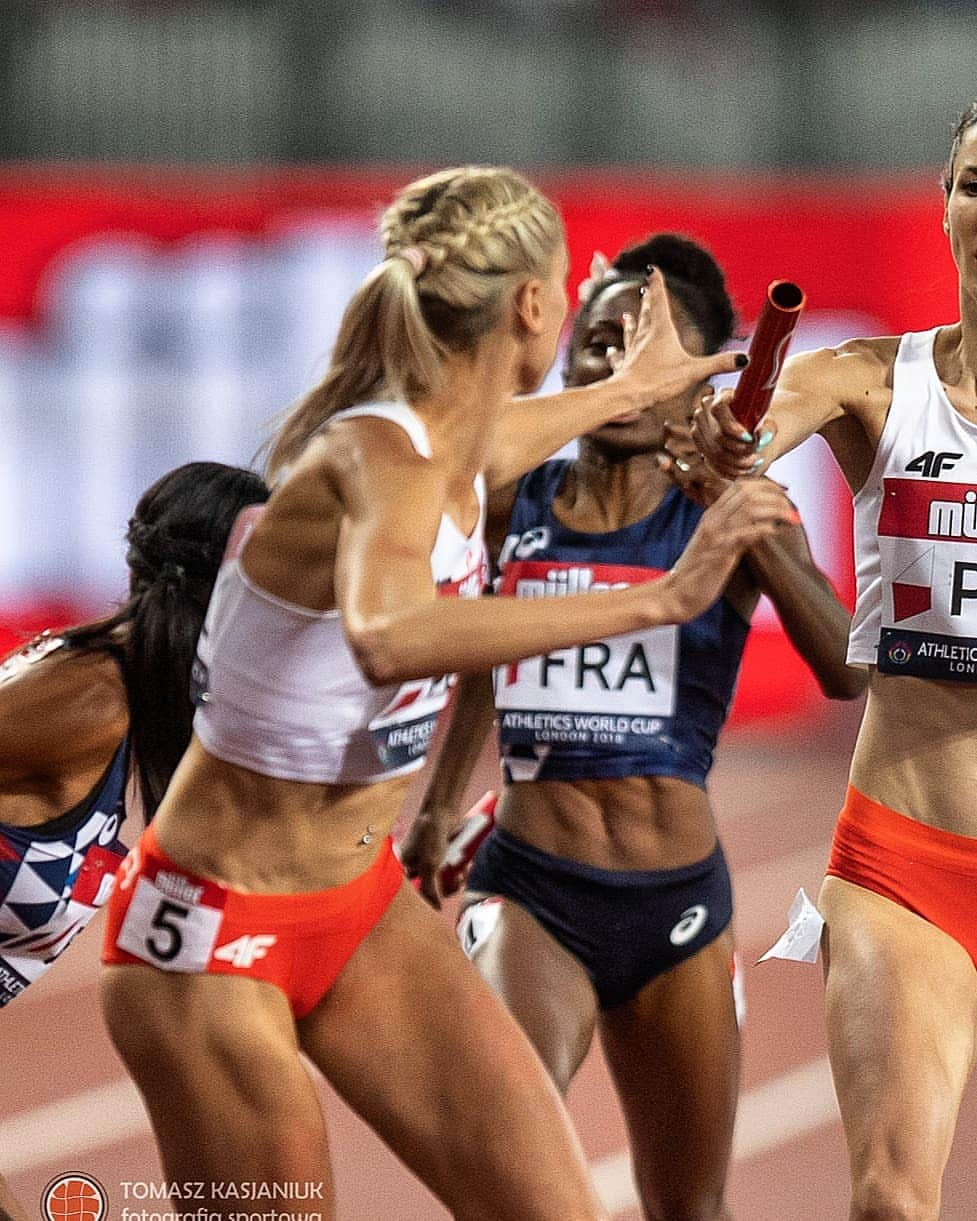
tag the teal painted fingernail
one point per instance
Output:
(756, 465)
(746, 436)
(765, 438)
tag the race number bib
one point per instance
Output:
(928, 559)
(169, 930)
(617, 692)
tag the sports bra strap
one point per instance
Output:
(397, 413)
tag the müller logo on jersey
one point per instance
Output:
(623, 685)
(953, 518)
(921, 509)
(541, 579)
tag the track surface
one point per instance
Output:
(66, 1105)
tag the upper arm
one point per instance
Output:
(834, 388)
(391, 513)
(808, 396)
(60, 714)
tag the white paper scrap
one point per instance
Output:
(802, 940)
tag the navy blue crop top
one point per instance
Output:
(650, 702)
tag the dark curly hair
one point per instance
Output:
(692, 276)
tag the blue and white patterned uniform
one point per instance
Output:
(55, 876)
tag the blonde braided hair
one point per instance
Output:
(481, 231)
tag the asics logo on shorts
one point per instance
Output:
(690, 925)
(244, 951)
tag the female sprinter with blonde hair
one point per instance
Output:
(264, 913)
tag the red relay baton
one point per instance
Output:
(772, 336)
(466, 841)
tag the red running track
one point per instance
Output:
(65, 1104)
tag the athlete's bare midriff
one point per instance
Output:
(917, 750)
(917, 746)
(632, 822)
(258, 834)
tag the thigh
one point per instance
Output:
(542, 985)
(420, 1047)
(901, 1002)
(217, 1062)
(10, 1207)
(674, 1054)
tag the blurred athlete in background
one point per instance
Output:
(88, 710)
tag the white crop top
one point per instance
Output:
(916, 531)
(277, 687)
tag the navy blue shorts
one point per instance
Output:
(624, 927)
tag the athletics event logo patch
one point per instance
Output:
(900, 652)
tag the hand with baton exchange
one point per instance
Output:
(726, 427)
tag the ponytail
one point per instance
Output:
(457, 244)
(384, 349)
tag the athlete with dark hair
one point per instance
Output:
(900, 416)
(84, 709)
(94, 719)
(602, 899)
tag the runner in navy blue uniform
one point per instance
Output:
(602, 899)
(84, 711)
(264, 913)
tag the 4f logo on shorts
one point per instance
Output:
(244, 951)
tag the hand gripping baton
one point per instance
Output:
(466, 841)
(774, 329)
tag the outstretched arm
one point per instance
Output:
(782, 567)
(654, 368)
(399, 630)
(810, 394)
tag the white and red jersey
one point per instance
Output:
(278, 689)
(916, 531)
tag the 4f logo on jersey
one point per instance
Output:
(931, 464)
(244, 951)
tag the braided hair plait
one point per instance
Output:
(176, 539)
(479, 231)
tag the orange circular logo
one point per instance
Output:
(74, 1197)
